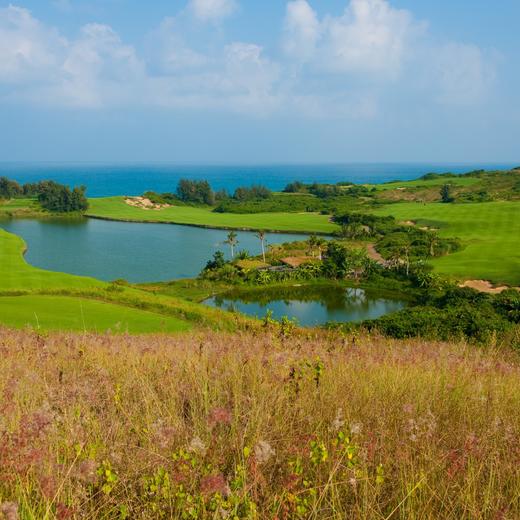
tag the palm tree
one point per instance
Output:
(312, 243)
(261, 237)
(320, 244)
(432, 241)
(232, 241)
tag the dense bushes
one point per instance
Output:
(457, 313)
(51, 195)
(199, 192)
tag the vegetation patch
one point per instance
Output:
(79, 314)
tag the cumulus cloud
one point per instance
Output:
(212, 10)
(463, 73)
(370, 36)
(302, 30)
(27, 48)
(333, 66)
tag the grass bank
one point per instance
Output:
(115, 208)
(257, 426)
(490, 232)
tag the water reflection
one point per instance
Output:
(310, 305)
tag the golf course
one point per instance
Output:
(489, 231)
(115, 208)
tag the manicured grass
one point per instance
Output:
(80, 314)
(417, 183)
(115, 208)
(490, 232)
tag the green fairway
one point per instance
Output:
(418, 183)
(79, 314)
(490, 231)
(115, 208)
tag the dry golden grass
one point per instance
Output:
(256, 425)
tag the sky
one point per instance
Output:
(260, 81)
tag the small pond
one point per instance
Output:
(310, 306)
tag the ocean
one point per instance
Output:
(120, 179)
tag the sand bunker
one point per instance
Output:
(144, 203)
(485, 286)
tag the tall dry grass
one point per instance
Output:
(255, 425)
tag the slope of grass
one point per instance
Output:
(418, 183)
(115, 208)
(490, 231)
(79, 314)
(311, 427)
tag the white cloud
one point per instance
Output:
(334, 66)
(27, 48)
(212, 10)
(463, 72)
(371, 36)
(302, 30)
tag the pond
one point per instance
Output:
(310, 305)
(136, 252)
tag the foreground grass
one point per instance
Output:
(490, 231)
(115, 208)
(256, 426)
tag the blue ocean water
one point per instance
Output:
(108, 180)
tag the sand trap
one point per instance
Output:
(144, 203)
(485, 286)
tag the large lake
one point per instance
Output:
(136, 252)
(311, 305)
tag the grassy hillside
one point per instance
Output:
(490, 232)
(256, 426)
(115, 208)
(80, 314)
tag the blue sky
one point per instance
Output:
(272, 81)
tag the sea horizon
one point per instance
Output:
(104, 179)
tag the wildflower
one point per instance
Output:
(163, 434)
(214, 484)
(408, 408)
(339, 421)
(219, 416)
(197, 446)
(63, 512)
(9, 510)
(263, 452)
(356, 428)
(87, 472)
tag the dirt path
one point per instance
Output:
(374, 255)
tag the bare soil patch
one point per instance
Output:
(144, 203)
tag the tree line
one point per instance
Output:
(200, 192)
(51, 195)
